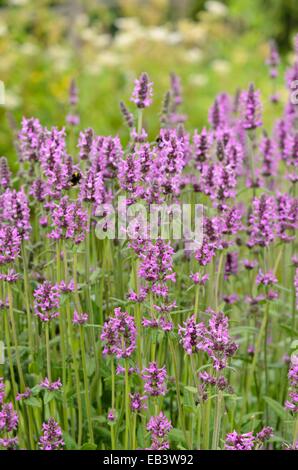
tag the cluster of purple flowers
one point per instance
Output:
(292, 402)
(79, 318)
(159, 427)
(69, 221)
(51, 438)
(142, 92)
(10, 244)
(9, 421)
(47, 301)
(251, 109)
(262, 221)
(247, 441)
(14, 210)
(137, 402)
(155, 380)
(5, 174)
(50, 386)
(156, 266)
(214, 339)
(119, 335)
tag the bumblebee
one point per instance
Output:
(75, 178)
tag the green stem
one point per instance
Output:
(27, 300)
(217, 421)
(14, 336)
(178, 391)
(127, 409)
(62, 342)
(113, 440)
(86, 385)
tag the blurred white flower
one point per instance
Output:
(81, 20)
(126, 39)
(158, 33)
(174, 38)
(216, 8)
(109, 58)
(59, 56)
(193, 55)
(18, 3)
(88, 34)
(222, 67)
(12, 100)
(28, 48)
(3, 29)
(198, 79)
(127, 24)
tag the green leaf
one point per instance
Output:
(191, 389)
(33, 401)
(277, 408)
(70, 443)
(176, 435)
(48, 396)
(90, 365)
(88, 446)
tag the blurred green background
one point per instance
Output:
(103, 44)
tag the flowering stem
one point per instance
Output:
(47, 334)
(75, 282)
(153, 341)
(134, 432)
(62, 340)
(177, 381)
(295, 434)
(86, 385)
(140, 120)
(27, 300)
(113, 403)
(49, 371)
(87, 280)
(73, 354)
(8, 347)
(138, 316)
(127, 410)
(219, 268)
(257, 351)
(206, 424)
(14, 335)
(266, 361)
(217, 421)
(197, 301)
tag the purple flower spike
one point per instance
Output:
(119, 334)
(8, 418)
(51, 438)
(5, 173)
(292, 402)
(10, 244)
(235, 441)
(142, 92)
(30, 138)
(47, 301)
(79, 318)
(159, 427)
(251, 109)
(137, 402)
(51, 386)
(154, 379)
